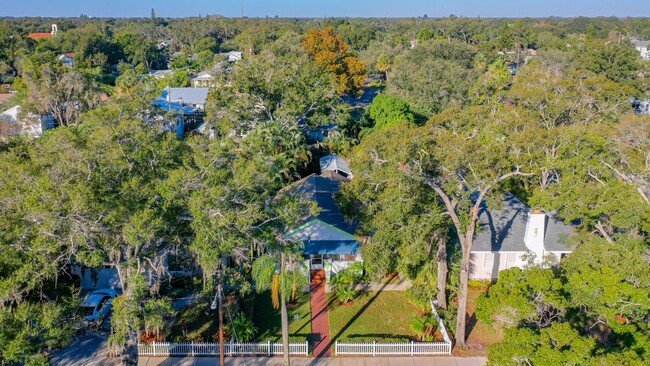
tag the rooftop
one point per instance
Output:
(188, 95)
(503, 229)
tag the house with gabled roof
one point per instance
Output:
(515, 235)
(335, 164)
(204, 79)
(328, 237)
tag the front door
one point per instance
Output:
(316, 261)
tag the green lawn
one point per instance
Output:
(267, 319)
(373, 316)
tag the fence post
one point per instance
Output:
(412, 344)
(192, 348)
(374, 347)
(336, 348)
(306, 348)
(154, 348)
(270, 352)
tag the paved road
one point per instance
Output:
(89, 349)
(341, 361)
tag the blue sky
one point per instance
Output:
(329, 8)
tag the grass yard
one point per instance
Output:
(373, 316)
(267, 319)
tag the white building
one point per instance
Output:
(516, 236)
(642, 47)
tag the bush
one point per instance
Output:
(478, 284)
(420, 295)
(345, 293)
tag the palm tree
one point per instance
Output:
(281, 271)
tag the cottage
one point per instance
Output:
(187, 104)
(194, 97)
(515, 236)
(234, 56)
(160, 74)
(67, 59)
(204, 79)
(335, 164)
(328, 238)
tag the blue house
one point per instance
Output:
(328, 238)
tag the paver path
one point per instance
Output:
(320, 324)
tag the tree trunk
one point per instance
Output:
(441, 258)
(462, 300)
(284, 316)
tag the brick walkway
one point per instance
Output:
(320, 324)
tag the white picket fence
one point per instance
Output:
(212, 349)
(404, 349)
(410, 349)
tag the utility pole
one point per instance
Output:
(242, 8)
(217, 302)
(222, 352)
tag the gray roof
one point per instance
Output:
(334, 163)
(503, 230)
(189, 95)
(322, 190)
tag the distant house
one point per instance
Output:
(11, 123)
(67, 59)
(319, 133)
(328, 238)
(39, 36)
(160, 74)
(641, 106)
(335, 164)
(187, 104)
(195, 97)
(204, 79)
(234, 56)
(514, 236)
(642, 47)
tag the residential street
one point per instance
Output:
(87, 350)
(338, 361)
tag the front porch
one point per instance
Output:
(331, 264)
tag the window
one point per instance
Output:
(488, 260)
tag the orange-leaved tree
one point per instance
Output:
(329, 51)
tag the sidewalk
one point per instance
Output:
(300, 361)
(375, 286)
(320, 325)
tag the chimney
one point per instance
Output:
(535, 232)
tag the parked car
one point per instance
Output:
(97, 304)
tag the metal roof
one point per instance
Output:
(334, 163)
(503, 229)
(188, 95)
(331, 247)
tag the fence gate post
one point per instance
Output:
(306, 348)
(412, 344)
(374, 348)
